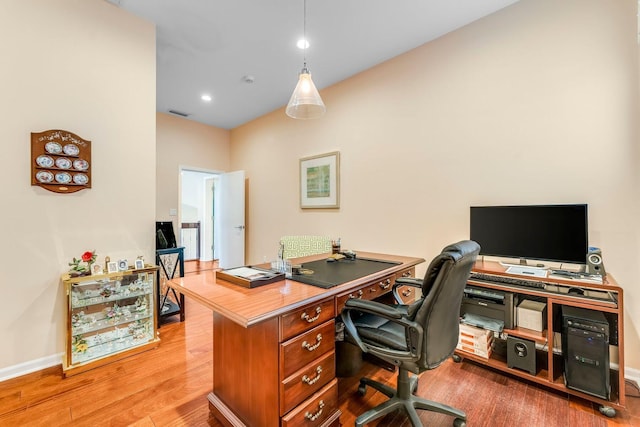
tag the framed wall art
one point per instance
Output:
(320, 181)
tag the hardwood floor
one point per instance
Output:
(168, 386)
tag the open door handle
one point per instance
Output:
(239, 227)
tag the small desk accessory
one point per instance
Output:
(250, 277)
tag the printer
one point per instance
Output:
(489, 304)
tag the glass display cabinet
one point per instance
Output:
(109, 317)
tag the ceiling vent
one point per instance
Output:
(179, 113)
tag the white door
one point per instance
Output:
(230, 211)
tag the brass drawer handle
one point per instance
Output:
(306, 379)
(306, 317)
(359, 294)
(406, 292)
(312, 347)
(385, 285)
(312, 417)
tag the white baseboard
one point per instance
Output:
(632, 374)
(31, 366)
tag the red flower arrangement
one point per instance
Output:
(79, 269)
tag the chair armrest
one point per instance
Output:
(411, 281)
(375, 307)
(396, 314)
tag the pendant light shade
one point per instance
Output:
(305, 102)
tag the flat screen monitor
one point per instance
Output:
(557, 233)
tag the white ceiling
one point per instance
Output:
(208, 46)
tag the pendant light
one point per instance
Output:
(305, 102)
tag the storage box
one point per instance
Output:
(475, 340)
(532, 315)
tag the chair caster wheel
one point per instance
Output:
(456, 358)
(607, 411)
(458, 422)
(362, 389)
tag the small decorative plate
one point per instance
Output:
(63, 178)
(71, 150)
(80, 178)
(44, 161)
(53, 147)
(81, 165)
(63, 163)
(44, 176)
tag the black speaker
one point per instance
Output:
(585, 350)
(594, 262)
(521, 354)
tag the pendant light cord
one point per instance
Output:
(304, 33)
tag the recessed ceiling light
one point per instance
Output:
(303, 44)
(206, 98)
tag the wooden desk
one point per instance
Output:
(273, 346)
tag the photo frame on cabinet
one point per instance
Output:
(96, 268)
(139, 264)
(123, 265)
(112, 267)
(320, 181)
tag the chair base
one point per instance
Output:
(402, 398)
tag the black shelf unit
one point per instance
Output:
(169, 264)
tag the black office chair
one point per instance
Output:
(414, 337)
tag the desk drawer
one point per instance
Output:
(316, 410)
(302, 350)
(409, 272)
(369, 291)
(408, 294)
(305, 318)
(307, 381)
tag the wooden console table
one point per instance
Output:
(273, 346)
(606, 298)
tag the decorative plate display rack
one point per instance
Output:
(60, 161)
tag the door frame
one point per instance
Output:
(205, 172)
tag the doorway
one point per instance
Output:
(211, 218)
(197, 218)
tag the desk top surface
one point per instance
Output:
(248, 306)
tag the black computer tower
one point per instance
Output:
(585, 349)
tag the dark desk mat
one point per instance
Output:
(329, 274)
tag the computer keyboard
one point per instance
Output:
(507, 280)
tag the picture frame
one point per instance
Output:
(123, 265)
(139, 264)
(320, 181)
(96, 268)
(112, 267)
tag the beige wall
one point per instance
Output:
(190, 145)
(535, 104)
(89, 68)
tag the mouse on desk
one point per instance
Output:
(576, 291)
